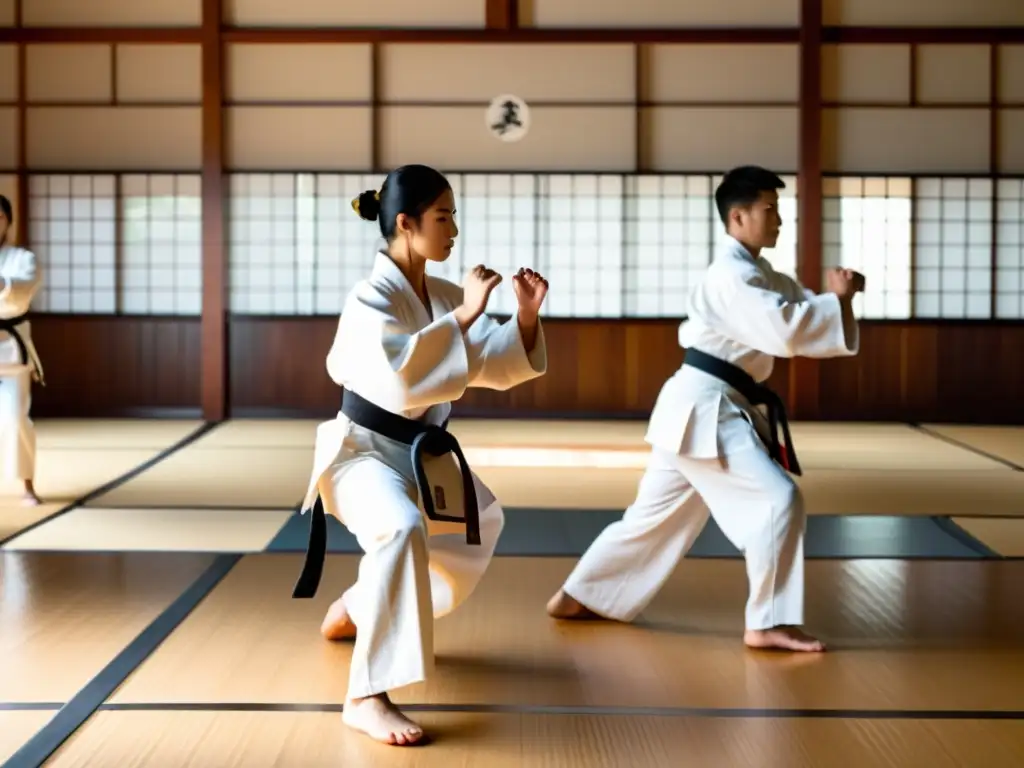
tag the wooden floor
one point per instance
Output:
(146, 617)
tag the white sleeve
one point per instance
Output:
(410, 369)
(497, 356)
(814, 326)
(18, 289)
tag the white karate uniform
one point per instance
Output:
(707, 456)
(392, 352)
(20, 278)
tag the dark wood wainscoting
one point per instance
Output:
(112, 366)
(595, 369)
(131, 366)
(908, 371)
(936, 372)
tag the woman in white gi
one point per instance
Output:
(709, 453)
(411, 344)
(20, 278)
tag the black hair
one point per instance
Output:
(411, 190)
(741, 187)
(6, 209)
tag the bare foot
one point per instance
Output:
(337, 625)
(379, 719)
(29, 497)
(782, 638)
(563, 606)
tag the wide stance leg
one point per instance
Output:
(757, 506)
(632, 558)
(760, 509)
(402, 585)
(390, 603)
(457, 567)
(16, 427)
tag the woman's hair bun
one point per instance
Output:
(367, 205)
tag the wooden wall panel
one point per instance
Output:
(102, 366)
(650, 14)
(331, 13)
(949, 372)
(615, 368)
(117, 366)
(561, 139)
(923, 13)
(99, 13)
(597, 368)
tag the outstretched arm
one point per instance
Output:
(503, 355)
(813, 325)
(20, 285)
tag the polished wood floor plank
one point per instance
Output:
(265, 740)
(159, 530)
(906, 635)
(1002, 535)
(64, 616)
(17, 727)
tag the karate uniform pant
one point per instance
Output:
(755, 503)
(409, 574)
(17, 432)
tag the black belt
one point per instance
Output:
(10, 325)
(756, 394)
(422, 439)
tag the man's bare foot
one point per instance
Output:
(563, 606)
(782, 638)
(337, 625)
(381, 720)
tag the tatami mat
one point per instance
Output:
(201, 475)
(261, 433)
(917, 635)
(827, 492)
(820, 445)
(63, 617)
(112, 433)
(1002, 535)
(166, 530)
(1005, 442)
(318, 740)
(75, 458)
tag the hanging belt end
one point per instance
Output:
(316, 553)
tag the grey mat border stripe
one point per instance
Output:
(567, 533)
(74, 713)
(202, 429)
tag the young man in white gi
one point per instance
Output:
(713, 451)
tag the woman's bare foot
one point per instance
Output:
(381, 720)
(563, 606)
(29, 498)
(782, 638)
(337, 625)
